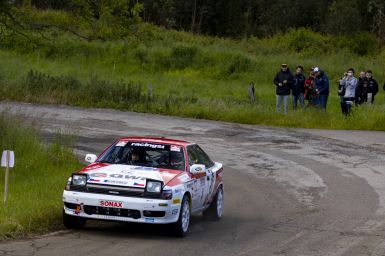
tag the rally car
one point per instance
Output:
(145, 180)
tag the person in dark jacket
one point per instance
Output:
(321, 87)
(284, 82)
(298, 88)
(359, 94)
(369, 88)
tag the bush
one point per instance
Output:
(39, 83)
(305, 40)
(238, 63)
(178, 57)
(114, 93)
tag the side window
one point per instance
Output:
(203, 157)
(192, 156)
(197, 156)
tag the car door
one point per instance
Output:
(202, 183)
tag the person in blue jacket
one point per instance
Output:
(321, 87)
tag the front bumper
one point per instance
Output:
(118, 208)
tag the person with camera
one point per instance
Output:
(369, 88)
(349, 83)
(283, 80)
(321, 89)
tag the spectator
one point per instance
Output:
(321, 87)
(370, 88)
(359, 94)
(309, 86)
(284, 82)
(349, 82)
(341, 92)
(298, 88)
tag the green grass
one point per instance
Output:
(36, 182)
(192, 76)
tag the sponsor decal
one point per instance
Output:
(174, 212)
(163, 205)
(189, 185)
(147, 145)
(94, 180)
(98, 175)
(121, 144)
(114, 204)
(176, 201)
(129, 177)
(138, 184)
(177, 191)
(118, 182)
(152, 220)
(141, 168)
(175, 148)
(202, 181)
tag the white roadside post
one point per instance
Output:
(7, 161)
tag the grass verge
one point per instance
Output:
(36, 182)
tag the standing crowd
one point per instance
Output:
(315, 89)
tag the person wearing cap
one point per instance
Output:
(369, 88)
(283, 80)
(321, 88)
(298, 88)
(349, 83)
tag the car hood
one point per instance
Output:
(127, 175)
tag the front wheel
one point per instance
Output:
(73, 222)
(215, 210)
(180, 228)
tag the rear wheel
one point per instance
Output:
(180, 228)
(73, 222)
(215, 210)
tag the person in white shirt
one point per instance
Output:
(349, 83)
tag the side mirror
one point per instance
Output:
(197, 169)
(91, 158)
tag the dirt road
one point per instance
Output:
(287, 192)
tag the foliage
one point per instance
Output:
(36, 182)
(195, 76)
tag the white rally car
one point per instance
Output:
(147, 180)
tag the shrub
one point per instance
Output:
(304, 40)
(98, 90)
(182, 56)
(238, 63)
(41, 83)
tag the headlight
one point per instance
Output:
(79, 179)
(153, 186)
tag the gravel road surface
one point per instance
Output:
(287, 191)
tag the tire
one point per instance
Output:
(215, 210)
(73, 222)
(180, 228)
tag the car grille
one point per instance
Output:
(114, 190)
(90, 210)
(119, 212)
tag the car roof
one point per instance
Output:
(157, 140)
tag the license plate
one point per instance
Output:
(108, 203)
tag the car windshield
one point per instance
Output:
(145, 154)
